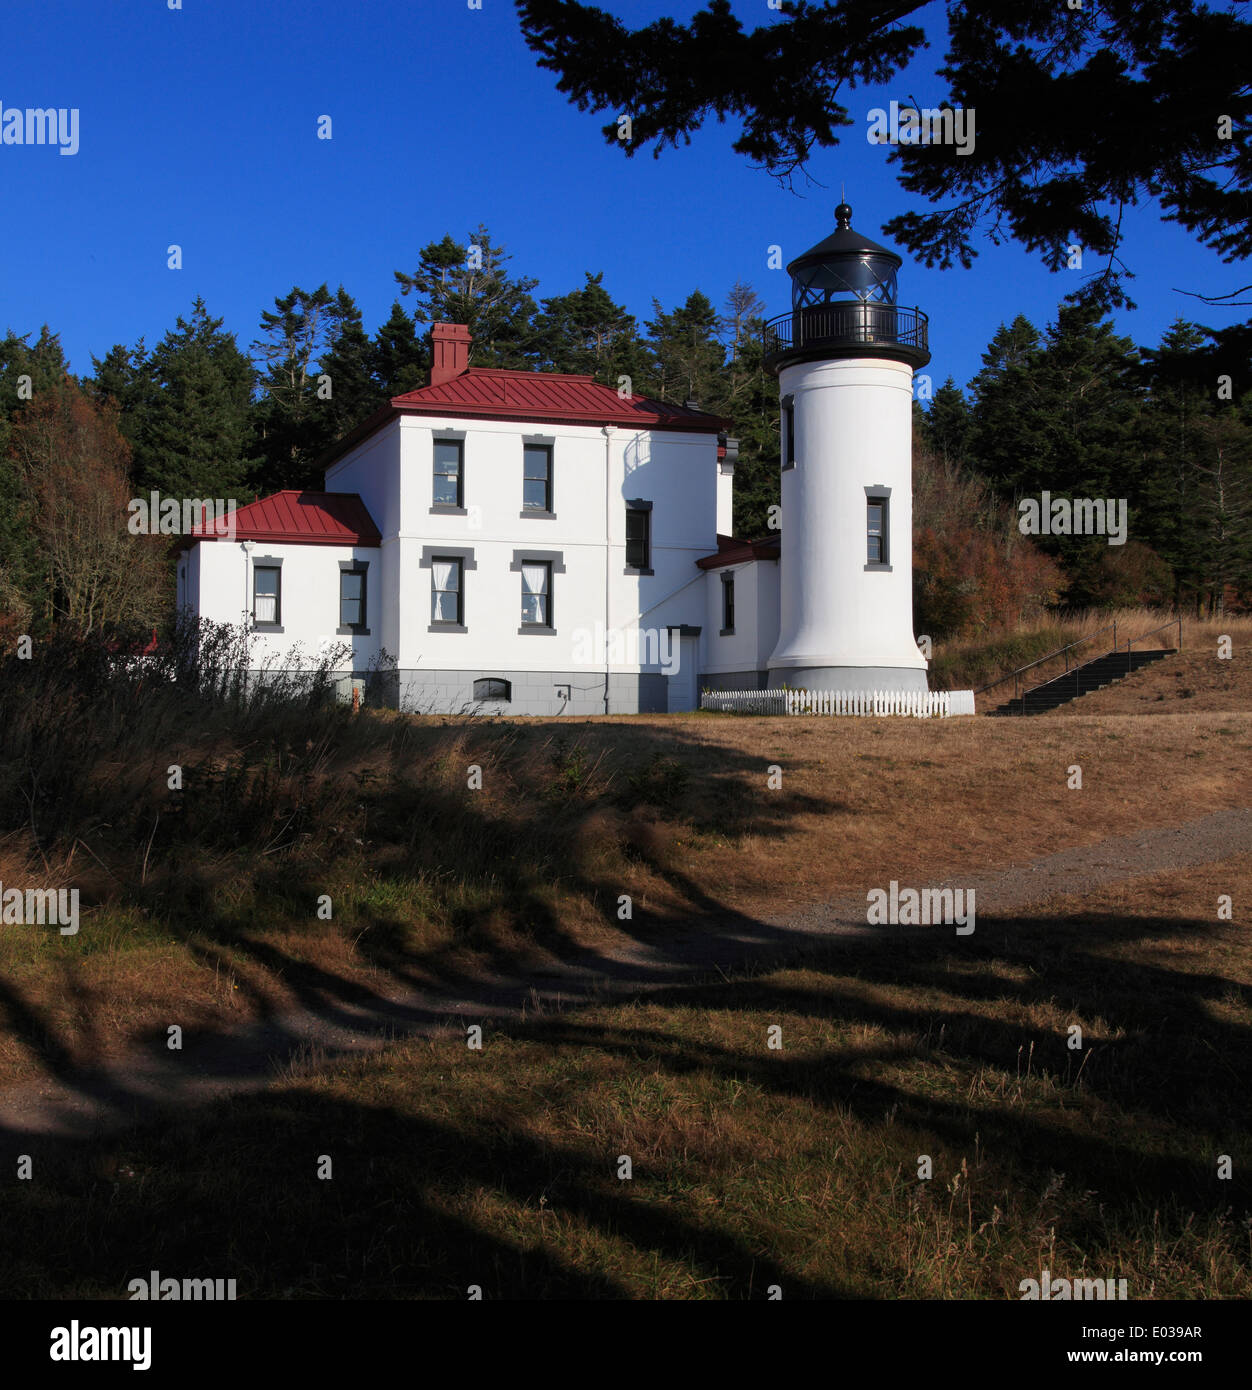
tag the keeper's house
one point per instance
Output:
(517, 542)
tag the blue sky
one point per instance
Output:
(198, 127)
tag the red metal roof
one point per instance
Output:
(301, 518)
(733, 552)
(496, 394)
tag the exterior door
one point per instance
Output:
(684, 684)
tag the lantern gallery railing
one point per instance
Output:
(920, 704)
(846, 325)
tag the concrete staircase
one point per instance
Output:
(1092, 675)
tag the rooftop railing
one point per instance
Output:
(862, 325)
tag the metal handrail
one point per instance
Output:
(848, 323)
(1173, 622)
(1015, 675)
(1030, 665)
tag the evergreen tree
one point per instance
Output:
(401, 359)
(999, 440)
(586, 332)
(196, 439)
(948, 423)
(747, 396)
(1068, 99)
(742, 318)
(124, 376)
(1063, 416)
(687, 357)
(296, 418)
(470, 285)
(1199, 469)
(29, 376)
(350, 361)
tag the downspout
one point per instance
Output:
(248, 547)
(608, 432)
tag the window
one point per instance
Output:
(493, 688)
(537, 477)
(267, 585)
(446, 576)
(788, 432)
(352, 597)
(536, 593)
(876, 529)
(728, 604)
(449, 473)
(638, 538)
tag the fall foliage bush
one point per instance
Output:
(973, 571)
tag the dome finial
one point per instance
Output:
(843, 213)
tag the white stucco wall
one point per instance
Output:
(221, 574)
(749, 647)
(585, 538)
(674, 471)
(853, 430)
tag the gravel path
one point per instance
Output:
(79, 1104)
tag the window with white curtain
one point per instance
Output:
(445, 591)
(266, 587)
(536, 594)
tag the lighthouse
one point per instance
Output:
(845, 357)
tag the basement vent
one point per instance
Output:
(493, 688)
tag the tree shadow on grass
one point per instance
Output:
(425, 1206)
(412, 1209)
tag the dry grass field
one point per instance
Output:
(752, 1166)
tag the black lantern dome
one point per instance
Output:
(843, 304)
(846, 266)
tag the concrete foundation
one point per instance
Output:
(848, 678)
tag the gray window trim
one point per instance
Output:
(534, 514)
(548, 442)
(356, 567)
(448, 437)
(728, 582)
(555, 558)
(465, 554)
(555, 562)
(640, 504)
(883, 495)
(268, 562)
(450, 552)
(788, 404)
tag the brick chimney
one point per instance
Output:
(449, 349)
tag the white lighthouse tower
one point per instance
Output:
(845, 358)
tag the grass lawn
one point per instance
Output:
(751, 1166)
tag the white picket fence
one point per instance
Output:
(920, 704)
